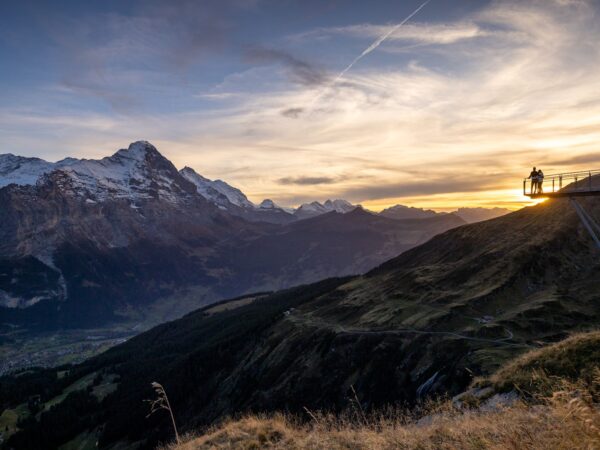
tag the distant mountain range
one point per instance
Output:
(88, 242)
(469, 215)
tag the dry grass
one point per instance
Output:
(559, 411)
(544, 371)
(566, 420)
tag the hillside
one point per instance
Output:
(564, 417)
(424, 323)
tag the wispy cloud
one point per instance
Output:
(422, 33)
(121, 58)
(304, 180)
(300, 71)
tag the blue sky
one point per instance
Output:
(450, 110)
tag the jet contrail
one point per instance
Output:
(379, 41)
(369, 49)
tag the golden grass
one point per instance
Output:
(560, 412)
(567, 420)
(543, 371)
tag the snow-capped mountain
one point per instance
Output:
(339, 205)
(313, 209)
(141, 172)
(138, 172)
(21, 170)
(267, 203)
(217, 191)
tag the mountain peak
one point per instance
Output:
(313, 209)
(139, 151)
(267, 203)
(339, 205)
(190, 174)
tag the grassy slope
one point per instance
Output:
(566, 417)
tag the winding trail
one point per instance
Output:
(302, 319)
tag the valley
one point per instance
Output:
(21, 351)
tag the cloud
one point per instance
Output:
(578, 160)
(441, 34)
(300, 71)
(292, 112)
(124, 58)
(448, 185)
(304, 180)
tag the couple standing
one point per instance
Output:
(537, 180)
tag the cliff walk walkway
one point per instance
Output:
(569, 185)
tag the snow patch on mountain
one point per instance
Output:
(339, 205)
(267, 203)
(314, 209)
(21, 170)
(216, 191)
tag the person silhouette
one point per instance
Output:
(540, 182)
(534, 181)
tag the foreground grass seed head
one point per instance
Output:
(162, 402)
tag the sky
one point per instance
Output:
(451, 110)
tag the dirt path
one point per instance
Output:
(302, 319)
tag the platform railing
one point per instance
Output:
(576, 182)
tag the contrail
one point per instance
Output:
(369, 49)
(379, 41)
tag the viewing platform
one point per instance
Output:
(570, 184)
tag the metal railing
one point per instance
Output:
(563, 183)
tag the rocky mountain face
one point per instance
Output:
(235, 202)
(423, 323)
(85, 242)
